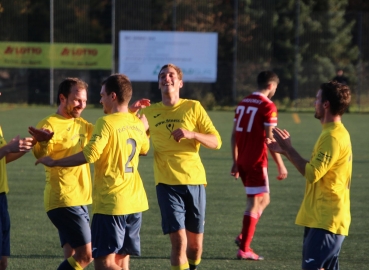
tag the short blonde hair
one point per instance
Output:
(177, 69)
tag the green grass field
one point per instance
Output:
(35, 242)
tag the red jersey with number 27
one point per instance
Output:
(253, 113)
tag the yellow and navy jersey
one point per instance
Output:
(326, 203)
(65, 186)
(178, 163)
(114, 148)
(3, 175)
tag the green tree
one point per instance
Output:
(324, 39)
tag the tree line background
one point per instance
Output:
(303, 41)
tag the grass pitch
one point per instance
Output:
(35, 242)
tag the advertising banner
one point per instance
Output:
(143, 53)
(24, 55)
(81, 56)
(57, 55)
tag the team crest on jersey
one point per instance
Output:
(274, 114)
(169, 124)
(170, 127)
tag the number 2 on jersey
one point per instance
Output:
(133, 152)
(241, 110)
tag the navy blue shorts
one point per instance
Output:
(73, 224)
(4, 226)
(116, 234)
(182, 207)
(321, 249)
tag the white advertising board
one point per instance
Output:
(143, 53)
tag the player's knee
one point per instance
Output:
(195, 246)
(84, 258)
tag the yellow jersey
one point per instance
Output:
(69, 186)
(326, 204)
(114, 148)
(178, 163)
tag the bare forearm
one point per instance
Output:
(14, 156)
(277, 158)
(71, 161)
(297, 160)
(207, 140)
(234, 148)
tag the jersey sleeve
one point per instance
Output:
(98, 141)
(324, 157)
(205, 125)
(145, 142)
(270, 115)
(90, 129)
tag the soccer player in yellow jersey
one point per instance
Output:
(8, 153)
(325, 209)
(118, 193)
(177, 128)
(68, 190)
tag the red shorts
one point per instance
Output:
(255, 180)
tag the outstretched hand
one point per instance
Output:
(281, 141)
(283, 138)
(47, 161)
(20, 145)
(139, 104)
(40, 135)
(273, 146)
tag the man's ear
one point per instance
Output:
(326, 104)
(113, 95)
(62, 98)
(181, 84)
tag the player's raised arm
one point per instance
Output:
(283, 138)
(16, 148)
(139, 104)
(71, 161)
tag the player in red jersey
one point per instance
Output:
(255, 118)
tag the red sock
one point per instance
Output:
(248, 229)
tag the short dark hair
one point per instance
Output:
(177, 69)
(338, 95)
(66, 85)
(120, 85)
(265, 78)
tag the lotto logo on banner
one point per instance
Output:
(82, 56)
(57, 55)
(24, 55)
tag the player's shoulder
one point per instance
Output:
(152, 107)
(49, 120)
(255, 99)
(83, 121)
(190, 103)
